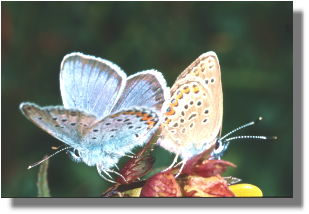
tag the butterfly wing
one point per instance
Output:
(117, 134)
(146, 88)
(90, 84)
(67, 126)
(102, 142)
(193, 117)
(205, 68)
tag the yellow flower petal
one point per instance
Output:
(246, 190)
(133, 192)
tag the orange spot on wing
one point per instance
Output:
(171, 111)
(186, 90)
(128, 112)
(150, 118)
(196, 89)
(179, 95)
(167, 121)
(174, 103)
(150, 123)
(203, 66)
(115, 115)
(147, 118)
(196, 71)
(139, 114)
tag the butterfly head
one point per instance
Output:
(220, 148)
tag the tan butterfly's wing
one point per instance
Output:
(194, 113)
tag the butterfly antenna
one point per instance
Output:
(226, 142)
(251, 137)
(44, 159)
(241, 127)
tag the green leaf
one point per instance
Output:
(42, 184)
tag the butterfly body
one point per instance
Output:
(104, 113)
(193, 115)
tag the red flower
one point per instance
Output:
(214, 186)
(161, 185)
(135, 168)
(207, 168)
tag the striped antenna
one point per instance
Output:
(251, 137)
(222, 143)
(44, 159)
(241, 127)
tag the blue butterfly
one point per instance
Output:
(105, 114)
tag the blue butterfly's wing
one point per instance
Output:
(67, 126)
(146, 88)
(117, 134)
(90, 84)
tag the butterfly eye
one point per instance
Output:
(76, 153)
(219, 147)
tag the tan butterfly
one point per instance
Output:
(193, 115)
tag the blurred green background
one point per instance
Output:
(253, 41)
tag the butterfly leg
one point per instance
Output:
(180, 162)
(131, 153)
(111, 181)
(117, 173)
(106, 172)
(173, 163)
(116, 167)
(183, 163)
(100, 173)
